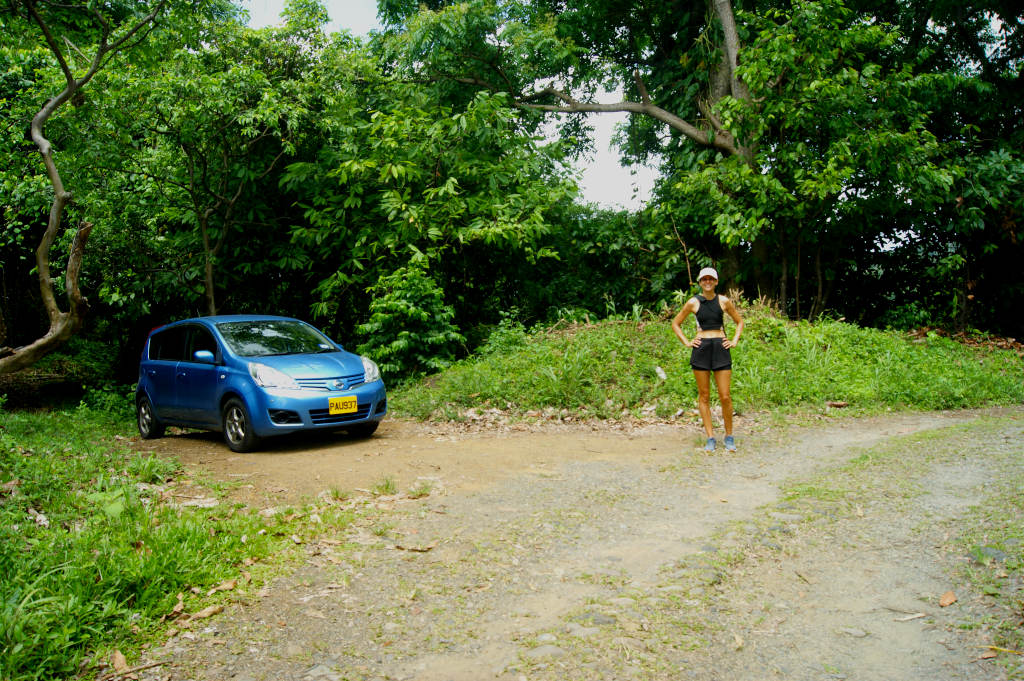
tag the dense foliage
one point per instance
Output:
(852, 158)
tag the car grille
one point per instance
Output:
(327, 384)
(323, 416)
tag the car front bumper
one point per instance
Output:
(278, 411)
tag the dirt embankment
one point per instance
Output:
(618, 553)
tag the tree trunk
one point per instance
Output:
(796, 275)
(62, 324)
(762, 274)
(209, 253)
(782, 285)
(818, 305)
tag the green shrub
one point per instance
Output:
(410, 330)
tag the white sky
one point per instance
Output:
(603, 181)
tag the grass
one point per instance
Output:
(995, 541)
(386, 486)
(611, 369)
(91, 554)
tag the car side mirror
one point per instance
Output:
(204, 357)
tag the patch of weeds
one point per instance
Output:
(381, 529)
(338, 495)
(421, 489)
(803, 491)
(607, 579)
(604, 497)
(385, 487)
(153, 470)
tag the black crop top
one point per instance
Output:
(709, 314)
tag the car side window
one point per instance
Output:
(201, 339)
(169, 345)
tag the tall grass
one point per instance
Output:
(91, 556)
(602, 369)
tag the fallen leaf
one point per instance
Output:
(208, 612)
(416, 549)
(179, 607)
(223, 586)
(989, 654)
(948, 598)
(739, 641)
(118, 662)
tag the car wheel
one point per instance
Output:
(150, 427)
(238, 433)
(363, 429)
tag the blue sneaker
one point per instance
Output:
(730, 444)
(710, 446)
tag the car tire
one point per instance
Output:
(150, 426)
(237, 425)
(363, 429)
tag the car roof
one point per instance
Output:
(217, 319)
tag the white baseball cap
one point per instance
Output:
(708, 272)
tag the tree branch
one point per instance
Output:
(718, 139)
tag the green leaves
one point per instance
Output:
(416, 180)
(410, 330)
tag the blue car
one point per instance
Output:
(252, 377)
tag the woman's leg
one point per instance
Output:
(703, 379)
(723, 379)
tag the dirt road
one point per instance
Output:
(579, 552)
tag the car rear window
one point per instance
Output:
(273, 337)
(168, 345)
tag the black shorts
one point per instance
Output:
(710, 356)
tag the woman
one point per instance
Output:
(710, 352)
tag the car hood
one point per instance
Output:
(326, 365)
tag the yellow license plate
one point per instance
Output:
(342, 405)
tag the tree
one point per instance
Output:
(213, 126)
(114, 30)
(111, 29)
(785, 128)
(408, 179)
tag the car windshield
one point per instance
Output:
(259, 338)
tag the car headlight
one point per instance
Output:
(269, 377)
(371, 370)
